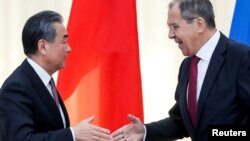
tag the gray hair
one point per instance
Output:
(191, 9)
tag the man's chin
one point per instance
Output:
(184, 53)
(61, 66)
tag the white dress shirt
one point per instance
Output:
(205, 53)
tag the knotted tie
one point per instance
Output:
(54, 92)
(192, 89)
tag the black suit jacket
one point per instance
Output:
(224, 97)
(28, 111)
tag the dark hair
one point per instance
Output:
(39, 26)
(191, 9)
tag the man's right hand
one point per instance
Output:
(85, 131)
(130, 132)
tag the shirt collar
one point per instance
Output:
(44, 76)
(206, 51)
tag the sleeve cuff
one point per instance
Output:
(73, 135)
(145, 129)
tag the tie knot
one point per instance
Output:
(195, 59)
(52, 82)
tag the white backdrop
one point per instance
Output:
(160, 57)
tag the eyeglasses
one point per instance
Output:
(174, 27)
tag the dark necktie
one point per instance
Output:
(192, 89)
(54, 92)
(55, 96)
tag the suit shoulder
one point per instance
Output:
(238, 46)
(18, 78)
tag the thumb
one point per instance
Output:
(90, 119)
(133, 119)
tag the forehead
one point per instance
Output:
(174, 14)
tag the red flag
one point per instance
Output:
(102, 73)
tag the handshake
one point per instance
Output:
(85, 131)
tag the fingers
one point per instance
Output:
(102, 135)
(133, 119)
(98, 133)
(116, 134)
(90, 119)
(118, 137)
(100, 129)
(127, 130)
(86, 125)
(92, 134)
(86, 131)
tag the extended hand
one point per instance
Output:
(84, 131)
(130, 132)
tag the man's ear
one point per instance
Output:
(201, 24)
(42, 46)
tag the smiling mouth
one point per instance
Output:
(179, 42)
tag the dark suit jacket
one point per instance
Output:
(28, 111)
(224, 97)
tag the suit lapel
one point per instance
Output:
(43, 93)
(215, 64)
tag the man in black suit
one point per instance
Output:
(222, 90)
(29, 107)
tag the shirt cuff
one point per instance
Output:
(145, 129)
(72, 131)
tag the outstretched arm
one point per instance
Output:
(134, 131)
